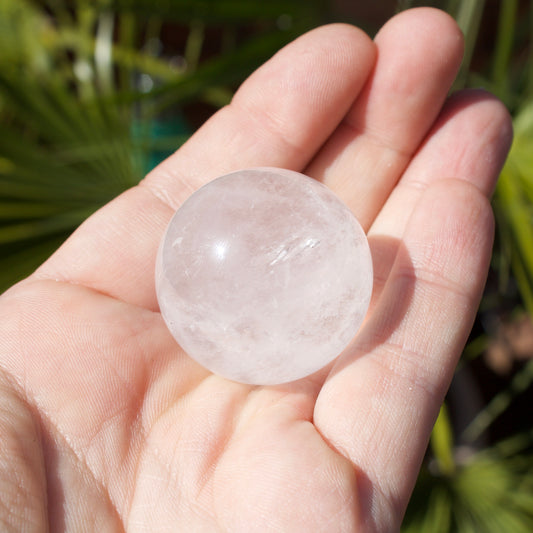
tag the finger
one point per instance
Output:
(469, 141)
(279, 117)
(379, 404)
(419, 53)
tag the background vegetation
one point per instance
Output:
(94, 93)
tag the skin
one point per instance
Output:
(107, 425)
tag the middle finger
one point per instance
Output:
(419, 53)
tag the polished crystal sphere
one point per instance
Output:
(264, 276)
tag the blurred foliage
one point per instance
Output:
(488, 491)
(94, 93)
(86, 90)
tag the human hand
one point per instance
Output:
(107, 425)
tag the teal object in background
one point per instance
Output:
(157, 139)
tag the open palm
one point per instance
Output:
(107, 425)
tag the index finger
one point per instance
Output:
(280, 117)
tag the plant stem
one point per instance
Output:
(520, 382)
(193, 48)
(504, 47)
(468, 18)
(442, 442)
(103, 46)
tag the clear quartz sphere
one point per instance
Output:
(264, 276)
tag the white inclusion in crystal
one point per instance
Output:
(288, 251)
(264, 276)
